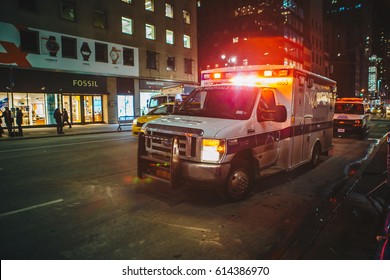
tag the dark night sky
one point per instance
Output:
(383, 8)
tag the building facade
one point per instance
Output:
(261, 32)
(348, 40)
(99, 59)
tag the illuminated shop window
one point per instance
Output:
(169, 37)
(127, 25)
(150, 32)
(187, 41)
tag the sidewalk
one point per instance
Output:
(347, 226)
(40, 132)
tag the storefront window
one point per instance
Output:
(66, 103)
(76, 109)
(3, 101)
(125, 105)
(37, 107)
(21, 102)
(51, 105)
(88, 115)
(97, 109)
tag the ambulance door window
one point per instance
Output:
(267, 104)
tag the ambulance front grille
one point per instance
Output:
(158, 142)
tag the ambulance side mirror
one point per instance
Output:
(277, 115)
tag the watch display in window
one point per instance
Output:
(52, 46)
(85, 51)
(114, 55)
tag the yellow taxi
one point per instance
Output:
(162, 110)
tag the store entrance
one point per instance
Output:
(83, 108)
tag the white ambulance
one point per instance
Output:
(169, 94)
(351, 117)
(240, 124)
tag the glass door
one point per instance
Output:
(97, 109)
(88, 109)
(76, 108)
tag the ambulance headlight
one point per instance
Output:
(213, 149)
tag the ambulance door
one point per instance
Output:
(298, 127)
(310, 97)
(267, 131)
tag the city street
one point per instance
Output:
(78, 197)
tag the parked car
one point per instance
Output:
(162, 110)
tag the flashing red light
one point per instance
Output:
(217, 75)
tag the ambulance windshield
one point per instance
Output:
(227, 102)
(349, 108)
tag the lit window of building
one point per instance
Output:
(149, 5)
(150, 32)
(187, 41)
(168, 10)
(169, 37)
(186, 17)
(127, 25)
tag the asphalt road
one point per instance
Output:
(79, 198)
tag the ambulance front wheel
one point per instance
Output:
(239, 181)
(315, 155)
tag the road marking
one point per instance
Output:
(60, 145)
(186, 227)
(31, 207)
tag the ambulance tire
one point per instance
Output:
(239, 182)
(315, 155)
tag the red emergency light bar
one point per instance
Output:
(259, 74)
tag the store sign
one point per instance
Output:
(25, 80)
(85, 83)
(48, 53)
(154, 85)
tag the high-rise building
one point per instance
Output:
(348, 40)
(261, 32)
(99, 59)
(381, 48)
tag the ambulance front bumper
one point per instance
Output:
(204, 173)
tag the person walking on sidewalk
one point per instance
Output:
(19, 121)
(8, 120)
(65, 117)
(58, 117)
